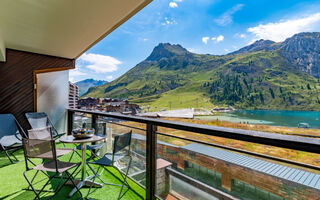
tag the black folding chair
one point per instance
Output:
(40, 120)
(11, 135)
(45, 133)
(109, 160)
(46, 150)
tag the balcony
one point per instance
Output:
(170, 165)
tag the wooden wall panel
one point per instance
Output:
(16, 80)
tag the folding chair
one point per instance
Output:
(109, 160)
(11, 134)
(40, 120)
(45, 133)
(46, 149)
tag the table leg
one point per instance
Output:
(83, 161)
(84, 181)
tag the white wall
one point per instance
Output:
(52, 97)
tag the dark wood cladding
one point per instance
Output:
(16, 80)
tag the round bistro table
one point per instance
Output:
(84, 181)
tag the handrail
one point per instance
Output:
(277, 140)
(314, 167)
(272, 139)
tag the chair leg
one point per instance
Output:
(125, 179)
(73, 183)
(7, 154)
(69, 177)
(33, 178)
(33, 189)
(30, 185)
(98, 175)
(74, 151)
(94, 178)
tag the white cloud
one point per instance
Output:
(109, 78)
(226, 18)
(177, 0)
(217, 39)
(220, 38)
(205, 39)
(168, 21)
(100, 63)
(242, 36)
(173, 5)
(279, 31)
(75, 73)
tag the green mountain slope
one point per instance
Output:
(261, 76)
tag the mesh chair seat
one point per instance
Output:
(106, 160)
(60, 152)
(51, 166)
(11, 140)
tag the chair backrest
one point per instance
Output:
(40, 120)
(121, 142)
(10, 126)
(40, 133)
(35, 148)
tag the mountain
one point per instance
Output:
(263, 75)
(258, 45)
(84, 85)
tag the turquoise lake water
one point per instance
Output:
(270, 117)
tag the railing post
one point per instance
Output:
(94, 122)
(94, 125)
(151, 158)
(70, 122)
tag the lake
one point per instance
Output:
(270, 117)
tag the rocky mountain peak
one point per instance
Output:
(166, 50)
(258, 45)
(303, 50)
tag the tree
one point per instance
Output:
(308, 86)
(271, 92)
(261, 97)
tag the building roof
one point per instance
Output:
(161, 163)
(279, 171)
(61, 28)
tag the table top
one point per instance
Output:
(71, 139)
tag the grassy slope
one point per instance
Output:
(150, 84)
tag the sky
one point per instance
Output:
(201, 26)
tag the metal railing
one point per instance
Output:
(277, 140)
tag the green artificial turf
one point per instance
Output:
(13, 183)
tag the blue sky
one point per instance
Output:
(201, 26)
